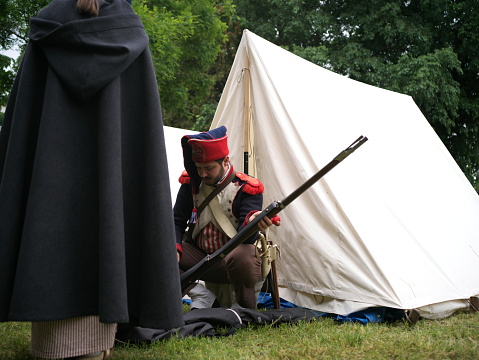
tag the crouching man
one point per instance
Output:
(213, 203)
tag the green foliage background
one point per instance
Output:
(186, 38)
(428, 49)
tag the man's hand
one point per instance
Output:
(265, 222)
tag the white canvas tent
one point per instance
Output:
(174, 153)
(396, 224)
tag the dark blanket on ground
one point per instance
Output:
(206, 322)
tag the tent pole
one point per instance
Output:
(246, 116)
(272, 275)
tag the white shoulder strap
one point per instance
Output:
(219, 215)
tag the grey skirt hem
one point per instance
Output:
(71, 337)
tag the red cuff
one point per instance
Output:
(246, 219)
(275, 219)
(179, 248)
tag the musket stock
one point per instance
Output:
(197, 271)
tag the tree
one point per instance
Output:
(14, 25)
(185, 40)
(14, 20)
(427, 49)
(6, 81)
(221, 68)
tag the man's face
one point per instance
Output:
(211, 172)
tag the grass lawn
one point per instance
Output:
(456, 337)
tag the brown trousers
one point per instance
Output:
(240, 268)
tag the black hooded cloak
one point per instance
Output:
(86, 222)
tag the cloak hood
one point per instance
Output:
(86, 53)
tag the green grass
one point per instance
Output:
(456, 337)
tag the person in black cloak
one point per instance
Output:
(86, 226)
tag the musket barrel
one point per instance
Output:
(195, 273)
(340, 157)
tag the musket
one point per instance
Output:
(208, 262)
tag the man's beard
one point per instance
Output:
(213, 182)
